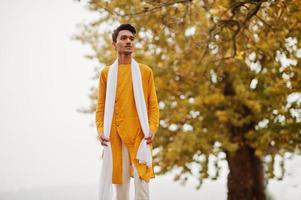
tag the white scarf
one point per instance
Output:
(144, 151)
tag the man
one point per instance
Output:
(127, 129)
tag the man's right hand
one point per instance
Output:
(103, 140)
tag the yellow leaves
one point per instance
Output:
(277, 88)
(230, 146)
(222, 116)
(182, 67)
(240, 55)
(259, 152)
(214, 99)
(254, 105)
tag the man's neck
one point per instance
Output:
(124, 59)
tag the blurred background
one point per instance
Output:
(49, 150)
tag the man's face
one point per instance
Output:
(124, 42)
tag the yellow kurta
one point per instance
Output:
(125, 123)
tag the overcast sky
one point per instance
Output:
(44, 78)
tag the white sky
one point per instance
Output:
(44, 78)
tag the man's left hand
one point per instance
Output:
(150, 139)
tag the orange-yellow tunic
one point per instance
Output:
(125, 123)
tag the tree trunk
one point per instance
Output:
(246, 176)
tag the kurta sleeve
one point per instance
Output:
(99, 114)
(153, 109)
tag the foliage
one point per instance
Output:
(227, 74)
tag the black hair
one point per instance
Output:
(128, 27)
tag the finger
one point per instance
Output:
(104, 144)
(104, 139)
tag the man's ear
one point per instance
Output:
(114, 45)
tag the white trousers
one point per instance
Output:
(141, 186)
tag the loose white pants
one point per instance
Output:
(141, 186)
